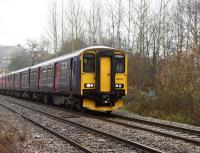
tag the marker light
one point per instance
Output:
(89, 85)
(119, 85)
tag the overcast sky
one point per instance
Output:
(24, 19)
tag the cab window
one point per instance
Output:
(89, 63)
(119, 64)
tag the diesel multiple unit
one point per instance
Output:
(94, 78)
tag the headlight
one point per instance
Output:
(89, 85)
(119, 85)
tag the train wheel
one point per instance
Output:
(78, 105)
(45, 99)
(50, 99)
(67, 103)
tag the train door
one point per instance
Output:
(13, 81)
(71, 73)
(56, 77)
(105, 74)
(39, 78)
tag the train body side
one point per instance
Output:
(66, 81)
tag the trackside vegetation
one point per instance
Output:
(177, 86)
(162, 39)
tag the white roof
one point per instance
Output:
(17, 71)
(66, 56)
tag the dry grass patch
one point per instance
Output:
(10, 136)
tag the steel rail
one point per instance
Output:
(151, 123)
(130, 143)
(186, 139)
(73, 143)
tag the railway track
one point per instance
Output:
(172, 131)
(73, 143)
(153, 123)
(175, 132)
(111, 138)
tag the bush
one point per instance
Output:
(177, 85)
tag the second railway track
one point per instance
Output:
(180, 133)
(98, 141)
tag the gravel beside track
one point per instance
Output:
(135, 117)
(179, 133)
(92, 140)
(33, 139)
(140, 136)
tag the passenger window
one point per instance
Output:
(49, 72)
(119, 64)
(44, 75)
(89, 63)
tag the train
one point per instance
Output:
(93, 78)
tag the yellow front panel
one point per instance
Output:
(122, 78)
(86, 77)
(90, 104)
(105, 74)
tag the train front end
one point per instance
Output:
(103, 79)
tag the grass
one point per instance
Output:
(9, 137)
(160, 114)
(160, 107)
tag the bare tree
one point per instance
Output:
(193, 12)
(74, 15)
(38, 50)
(62, 23)
(94, 23)
(111, 25)
(119, 21)
(53, 25)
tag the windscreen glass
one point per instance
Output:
(89, 63)
(119, 64)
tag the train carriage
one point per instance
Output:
(94, 78)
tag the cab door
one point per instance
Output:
(105, 74)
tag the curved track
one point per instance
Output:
(172, 131)
(121, 140)
(86, 150)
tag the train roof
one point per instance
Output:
(18, 71)
(66, 56)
